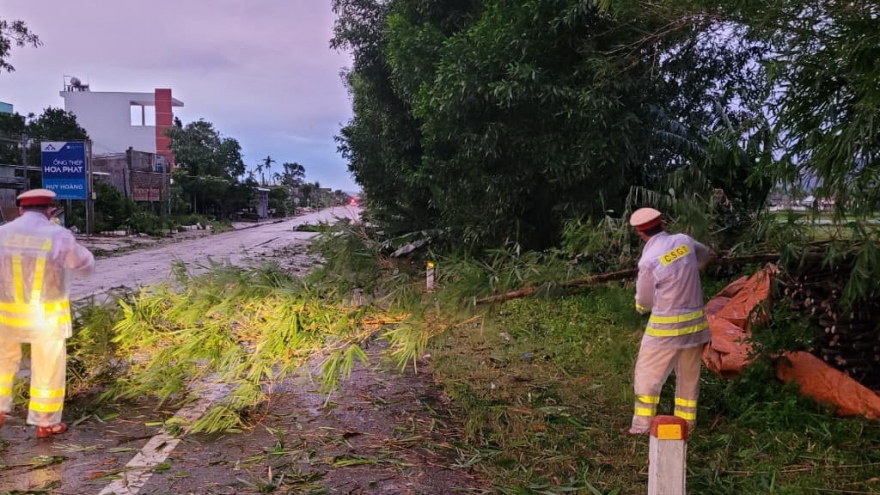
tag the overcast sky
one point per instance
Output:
(261, 70)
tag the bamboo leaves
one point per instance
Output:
(245, 328)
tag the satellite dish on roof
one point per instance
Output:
(74, 81)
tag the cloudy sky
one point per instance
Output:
(261, 70)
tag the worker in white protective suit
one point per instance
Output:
(669, 288)
(36, 260)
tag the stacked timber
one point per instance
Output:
(846, 336)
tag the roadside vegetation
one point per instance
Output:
(544, 392)
(539, 388)
(507, 142)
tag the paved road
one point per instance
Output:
(367, 440)
(148, 266)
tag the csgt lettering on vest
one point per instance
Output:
(675, 255)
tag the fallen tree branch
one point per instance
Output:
(577, 282)
(632, 272)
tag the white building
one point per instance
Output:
(118, 121)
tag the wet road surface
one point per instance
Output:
(148, 266)
(382, 433)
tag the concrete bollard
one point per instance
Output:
(430, 276)
(667, 453)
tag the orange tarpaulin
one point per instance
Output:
(731, 313)
(826, 384)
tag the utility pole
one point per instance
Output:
(90, 204)
(24, 163)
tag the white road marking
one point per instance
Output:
(139, 470)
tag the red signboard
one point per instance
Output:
(147, 194)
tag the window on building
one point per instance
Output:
(142, 115)
(160, 164)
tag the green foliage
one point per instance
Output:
(112, 209)
(542, 389)
(824, 56)
(14, 33)
(606, 245)
(543, 393)
(208, 168)
(349, 260)
(228, 328)
(462, 278)
(817, 65)
(92, 355)
(532, 113)
(265, 168)
(54, 124)
(12, 126)
(382, 141)
(292, 175)
(147, 222)
(279, 200)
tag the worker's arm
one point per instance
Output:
(703, 254)
(645, 290)
(76, 257)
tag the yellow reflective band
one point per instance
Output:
(644, 411)
(5, 391)
(678, 318)
(26, 308)
(685, 402)
(47, 393)
(36, 406)
(31, 322)
(17, 278)
(675, 255)
(686, 415)
(675, 332)
(641, 308)
(648, 399)
(37, 287)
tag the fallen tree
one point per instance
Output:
(632, 272)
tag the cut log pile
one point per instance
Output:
(846, 337)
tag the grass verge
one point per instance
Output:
(544, 390)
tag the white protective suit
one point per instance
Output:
(669, 287)
(36, 260)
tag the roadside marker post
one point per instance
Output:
(430, 276)
(667, 454)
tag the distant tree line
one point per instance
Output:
(211, 178)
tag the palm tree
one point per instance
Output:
(267, 166)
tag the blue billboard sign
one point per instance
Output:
(64, 168)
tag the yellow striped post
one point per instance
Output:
(430, 276)
(667, 454)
